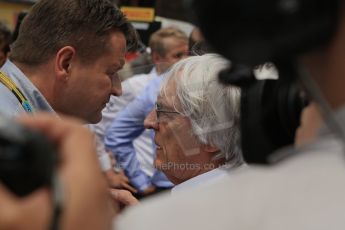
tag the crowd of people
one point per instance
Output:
(175, 131)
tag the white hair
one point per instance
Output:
(213, 108)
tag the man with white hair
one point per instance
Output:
(196, 123)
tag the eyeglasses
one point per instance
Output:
(159, 111)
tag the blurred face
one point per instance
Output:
(176, 49)
(90, 86)
(179, 154)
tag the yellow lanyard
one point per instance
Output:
(6, 81)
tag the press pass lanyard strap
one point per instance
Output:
(6, 81)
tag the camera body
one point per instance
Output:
(270, 110)
(251, 33)
(270, 116)
(27, 158)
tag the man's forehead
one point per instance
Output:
(166, 100)
(162, 100)
(172, 42)
(117, 42)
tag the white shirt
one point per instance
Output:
(306, 191)
(207, 178)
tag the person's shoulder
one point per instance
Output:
(9, 104)
(303, 187)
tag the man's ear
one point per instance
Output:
(63, 62)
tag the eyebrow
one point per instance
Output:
(164, 106)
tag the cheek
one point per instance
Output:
(104, 82)
(160, 158)
(183, 141)
(101, 86)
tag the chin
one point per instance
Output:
(95, 119)
(174, 179)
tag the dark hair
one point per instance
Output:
(83, 24)
(5, 38)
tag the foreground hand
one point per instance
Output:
(86, 203)
(19, 213)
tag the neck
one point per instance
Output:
(40, 77)
(327, 67)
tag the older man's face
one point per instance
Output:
(179, 153)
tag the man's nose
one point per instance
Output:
(150, 121)
(116, 88)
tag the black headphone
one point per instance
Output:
(254, 32)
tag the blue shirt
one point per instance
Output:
(128, 125)
(9, 104)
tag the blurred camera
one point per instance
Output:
(270, 112)
(27, 158)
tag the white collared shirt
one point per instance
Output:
(204, 179)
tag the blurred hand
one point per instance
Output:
(124, 197)
(148, 191)
(118, 180)
(86, 203)
(19, 213)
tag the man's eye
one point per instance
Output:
(112, 74)
(179, 55)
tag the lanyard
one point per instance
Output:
(6, 81)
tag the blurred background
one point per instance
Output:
(146, 15)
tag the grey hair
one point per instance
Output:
(213, 108)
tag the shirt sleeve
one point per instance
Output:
(109, 113)
(128, 125)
